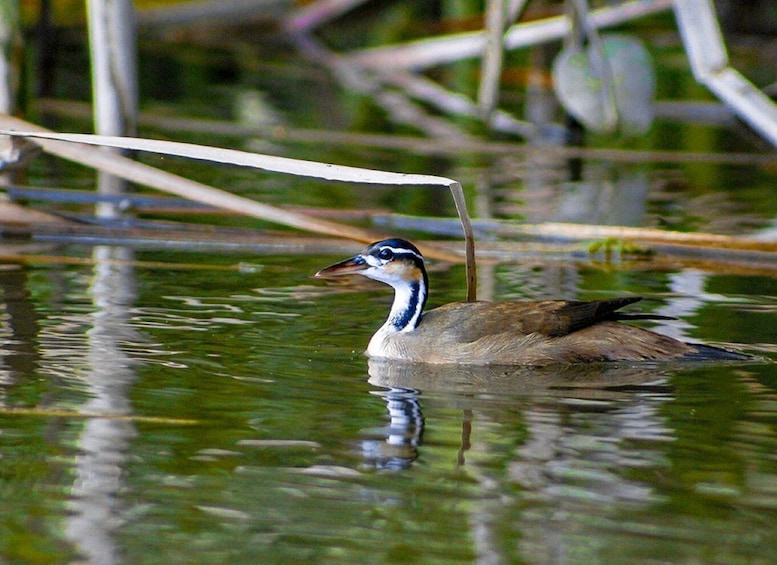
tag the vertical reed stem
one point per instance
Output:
(113, 51)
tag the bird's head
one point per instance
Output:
(395, 262)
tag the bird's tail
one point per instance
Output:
(711, 353)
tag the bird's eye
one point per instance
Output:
(386, 254)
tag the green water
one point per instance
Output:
(277, 442)
(168, 406)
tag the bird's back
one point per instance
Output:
(528, 333)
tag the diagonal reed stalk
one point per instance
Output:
(70, 146)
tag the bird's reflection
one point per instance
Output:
(545, 398)
(395, 446)
(566, 437)
(549, 398)
(603, 381)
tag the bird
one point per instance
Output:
(531, 333)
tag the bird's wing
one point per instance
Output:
(469, 321)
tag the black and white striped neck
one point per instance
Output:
(409, 302)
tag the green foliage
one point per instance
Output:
(612, 247)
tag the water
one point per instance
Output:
(168, 406)
(215, 414)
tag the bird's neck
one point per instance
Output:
(409, 301)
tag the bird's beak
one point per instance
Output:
(351, 266)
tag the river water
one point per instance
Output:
(219, 414)
(169, 404)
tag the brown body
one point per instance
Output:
(527, 333)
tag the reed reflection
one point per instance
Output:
(105, 440)
(19, 327)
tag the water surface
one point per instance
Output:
(220, 414)
(167, 406)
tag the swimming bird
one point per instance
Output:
(503, 333)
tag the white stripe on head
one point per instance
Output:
(400, 251)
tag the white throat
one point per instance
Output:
(409, 299)
(404, 316)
